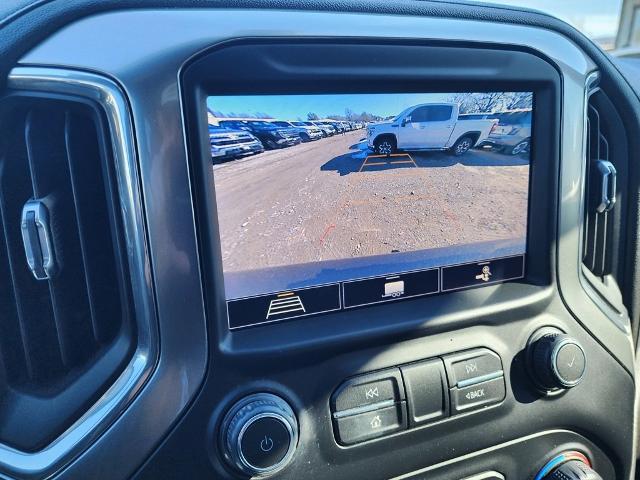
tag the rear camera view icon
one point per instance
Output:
(393, 289)
(485, 276)
(285, 303)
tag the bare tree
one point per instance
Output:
(349, 114)
(312, 116)
(489, 102)
(515, 100)
(469, 102)
(366, 117)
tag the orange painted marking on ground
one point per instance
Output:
(326, 232)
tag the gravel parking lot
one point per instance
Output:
(326, 200)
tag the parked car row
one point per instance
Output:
(233, 138)
(440, 126)
(512, 133)
(230, 143)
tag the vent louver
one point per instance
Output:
(606, 164)
(597, 230)
(63, 339)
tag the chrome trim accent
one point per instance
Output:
(487, 476)
(364, 409)
(45, 267)
(480, 379)
(113, 402)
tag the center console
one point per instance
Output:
(420, 354)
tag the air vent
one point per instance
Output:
(66, 332)
(606, 164)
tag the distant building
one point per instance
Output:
(629, 29)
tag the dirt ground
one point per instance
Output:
(317, 201)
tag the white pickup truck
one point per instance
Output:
(429, 126)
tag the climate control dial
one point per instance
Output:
(569, 465)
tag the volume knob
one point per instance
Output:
(558, 361)
(259, 434)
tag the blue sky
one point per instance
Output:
(290, 107)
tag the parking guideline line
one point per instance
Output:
(390, 155)
(372, 164)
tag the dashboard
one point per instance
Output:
(321, 240)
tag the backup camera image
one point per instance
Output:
(314, 190)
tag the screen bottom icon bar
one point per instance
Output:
(274, 307)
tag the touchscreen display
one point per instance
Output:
(334, 201)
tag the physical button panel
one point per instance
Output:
(378, 404)
(366, 390)
(425, 383)
(472, 367)
(377, 423)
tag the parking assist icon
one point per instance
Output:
(285, 303)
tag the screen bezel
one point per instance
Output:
(285, 66)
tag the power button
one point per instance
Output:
(265, 442)
(259, 435)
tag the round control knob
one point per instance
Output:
(557, 361)
(259, 434)
(568, 466)
(573, 470)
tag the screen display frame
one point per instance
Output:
(286, 68)
(352, 224)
